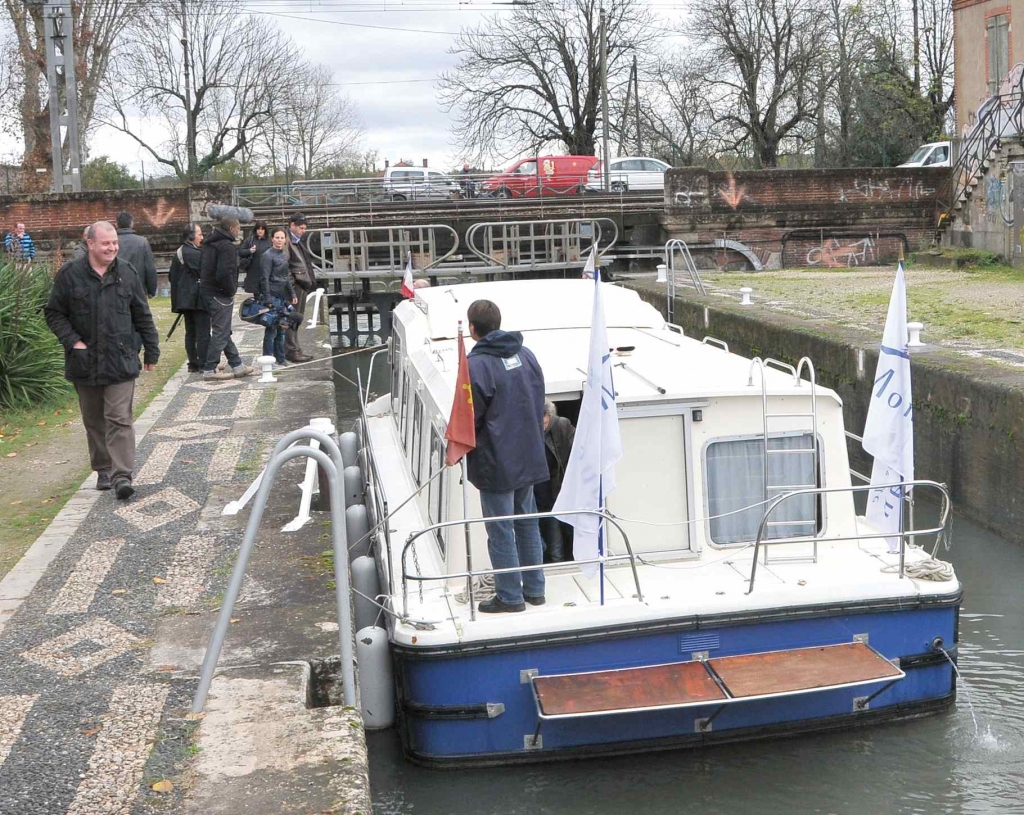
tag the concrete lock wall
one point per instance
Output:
(57, 219)
(968, 415)
(832, 218)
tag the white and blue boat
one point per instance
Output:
(742, 596)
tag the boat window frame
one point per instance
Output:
(436, 513)
(403, 411)
(706, 502)
(416, 452)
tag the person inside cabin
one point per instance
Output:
(509, 458)
(558, 436)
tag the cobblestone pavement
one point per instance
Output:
(91, 718)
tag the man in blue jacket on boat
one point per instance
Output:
(509, 458)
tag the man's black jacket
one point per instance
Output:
(105, 313)
(219, 265)
(184, 279)
(136, 250)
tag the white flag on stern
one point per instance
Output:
(889, 428)
(591, 264)
(590, 473)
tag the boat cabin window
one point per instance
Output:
(416, 453)
(435, 492)
(403, 410)
(735, 479)
(396, 367)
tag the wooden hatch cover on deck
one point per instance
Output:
(722, 680)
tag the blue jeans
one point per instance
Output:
(273, 342)
(514, 543)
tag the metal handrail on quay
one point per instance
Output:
(469, 574)
(903, 535)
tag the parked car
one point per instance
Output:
(629, 173)
(415, 183)
(935, 154)
(549, 175)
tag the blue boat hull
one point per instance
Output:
(470, 706)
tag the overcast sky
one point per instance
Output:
(401, 120)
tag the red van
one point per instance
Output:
(548, 175)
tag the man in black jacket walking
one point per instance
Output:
(97, 307)
(137, 251)
(509, 458)
(218, 281)
(185, 299)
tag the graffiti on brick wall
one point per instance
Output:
(161, 215)
(732, 194)
(870, 189)
(835, 254)
(997, 203)
(687, 196)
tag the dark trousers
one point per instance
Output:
(197, 338)
(291, 336)
(273, 342)
(221, 309)
(109, 427)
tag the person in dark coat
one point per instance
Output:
(276, 290)
(218, 282)
(136, 250)
(250, 256)
(300, 263)
(558, 436)
(509, 458)
(97, 306)
(185, 299)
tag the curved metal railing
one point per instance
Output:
(470, 573)
(902, 535)
(558, 237)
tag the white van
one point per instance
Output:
(415, 183)
(935, 154)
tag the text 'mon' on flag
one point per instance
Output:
(889, 427)
(461, 432)
(590, 472)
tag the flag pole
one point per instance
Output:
(903, 542)
(469, 547)
(600, 533)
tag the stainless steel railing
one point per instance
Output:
(903, 535)
(469, 574)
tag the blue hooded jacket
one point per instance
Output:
(508, 405)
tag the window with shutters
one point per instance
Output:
(997, 36)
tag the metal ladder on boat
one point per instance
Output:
(671, 247)
(814, 451)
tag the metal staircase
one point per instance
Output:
(775, 446)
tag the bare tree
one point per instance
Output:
(321, 124)
(96, 25)
(678, 109)
(533, 77)
(239, 67)
(769, 51)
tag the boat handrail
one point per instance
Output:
(372, 477)
(471, 573)
(902, 534)
(386, 347)
(709, 340)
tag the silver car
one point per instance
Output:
(629, 173)
(417, 183)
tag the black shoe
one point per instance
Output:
(495, 606)
(194, 369)
(535, 601)
(124, 489)
(103, 481)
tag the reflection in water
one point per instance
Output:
(940, 764)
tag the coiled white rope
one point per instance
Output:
(929, 569)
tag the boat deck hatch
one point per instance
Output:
(719, 681)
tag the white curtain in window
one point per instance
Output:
(735, 479)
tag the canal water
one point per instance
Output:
(963, 761)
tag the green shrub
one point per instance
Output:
(31, 359)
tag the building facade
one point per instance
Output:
(984, 50)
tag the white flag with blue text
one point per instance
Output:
(591, 264)
(889, 428)
(590, 473)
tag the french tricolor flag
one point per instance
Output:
(407, 286)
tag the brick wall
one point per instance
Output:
(847, 217)
(54, 219)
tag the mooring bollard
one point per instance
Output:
(745, 293)
(915, 329)
(662, 273)
(267, 368)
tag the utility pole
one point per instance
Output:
(604, 100)
(189, 123)
(60, 77)
(917, 47)
(636, 93)
(624, 121)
